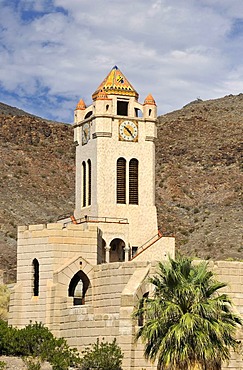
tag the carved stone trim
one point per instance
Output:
(101, 134)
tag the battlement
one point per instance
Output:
(58, 226)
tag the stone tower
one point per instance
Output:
(82, 276)
(115, 163)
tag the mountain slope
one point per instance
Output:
(8, 110)
(37, 177)
(198, 177)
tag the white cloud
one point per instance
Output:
(54, 52)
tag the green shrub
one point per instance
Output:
(59, 354)
(7, 339)
(102, 356)
(32, 338)
(37, 344)
(32, 363)
(2, 365)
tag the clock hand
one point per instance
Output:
(129, 131)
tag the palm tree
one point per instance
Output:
(187, 323)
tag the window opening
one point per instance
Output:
(150, 111)
(84, 183)
(107, 107)
(121, 181)
(141, 307)
(133, 181)
(78, 287)
(122, 108)
(134, 250)
(88, 114)
(89, 182)
(35, 265)
(138, 112)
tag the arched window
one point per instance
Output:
(78, 287)
(121, 181)
(133, 181)
(89, 182)
(84, 183)
(35, 265)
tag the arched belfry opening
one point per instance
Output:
(117, 253)
(78, 288)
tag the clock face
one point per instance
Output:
(128, 131)
(85, 133)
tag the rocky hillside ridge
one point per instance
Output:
(198, 177)
(6, 109)
(36, 175)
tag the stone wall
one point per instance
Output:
(114, 290)
(232, 274)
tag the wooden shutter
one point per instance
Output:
(121, 181)
(133, 181)
(89, 182)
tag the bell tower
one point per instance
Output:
(115, 161)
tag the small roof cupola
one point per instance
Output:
(149, 100)
(150, 107)
(81, 105)
(79, 111)
(102, 104)
(116, 83)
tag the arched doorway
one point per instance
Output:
(117, 253)
(78, 287)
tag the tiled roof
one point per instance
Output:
(81, 105)
(149, 100)
(116, 83)
(101, 95)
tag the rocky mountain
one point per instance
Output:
(13, 111)
(36, 177)
(198, 177)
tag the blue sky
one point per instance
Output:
(54, 52)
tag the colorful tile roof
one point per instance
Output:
(117, 84)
